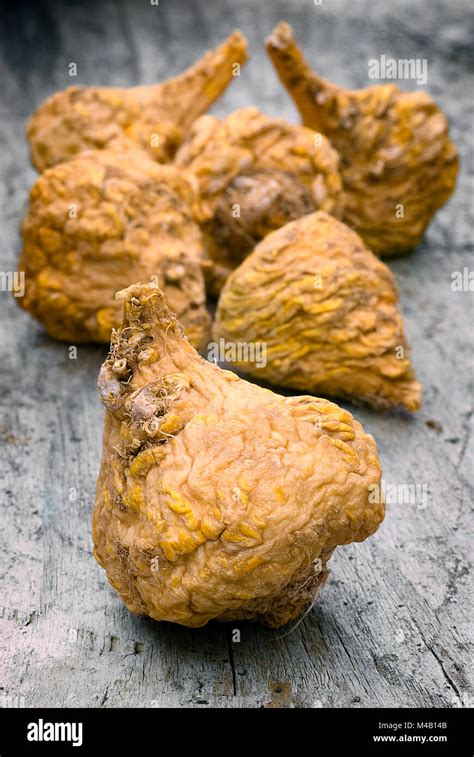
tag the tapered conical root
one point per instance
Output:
(326, 310)
(398, 163)
(218, 499)
(192, 93)
(155, 117)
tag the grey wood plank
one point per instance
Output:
(391, 627)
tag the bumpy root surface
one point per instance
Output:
(397, 161)
(201, 512)
(100, 221)
(153, 117)
(326, 310)
(256, 173)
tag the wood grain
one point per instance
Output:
(392, 624)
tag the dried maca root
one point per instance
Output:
(99, 222)
(325, 309)
(218, 499)
(255, 174)
(397, 161)
(155, 117)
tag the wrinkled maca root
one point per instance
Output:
(255, 174)
(218, 499)
(154, 117)
(99, 222)
(266, 200)
(397, 161)
(325, 309)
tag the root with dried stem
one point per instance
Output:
(154, 117)
(203, 513)
(397, 161)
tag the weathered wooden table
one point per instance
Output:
(391, 627)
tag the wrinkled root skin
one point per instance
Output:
(255, 174)
(153, 117)
(203, 513)
(267, 200)
(99, 222)
(326, 309)
(398, 163)
(291, 604)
